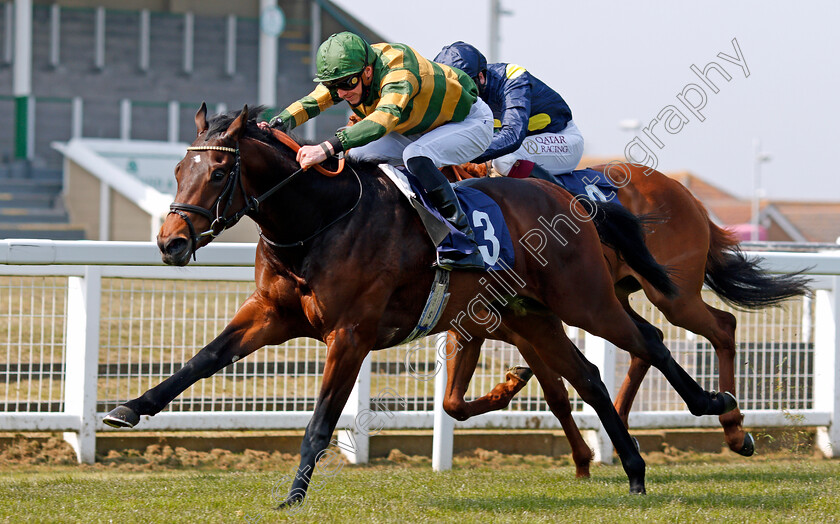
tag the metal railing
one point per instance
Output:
(85, 326)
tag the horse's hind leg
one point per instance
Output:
(723, 341)
(562, 358)
(635, 374)
(460, 369)
(718, 327)
(557, 398)
(642, 340)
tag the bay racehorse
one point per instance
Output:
(696, 251)
(346, 260)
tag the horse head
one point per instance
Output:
(211, 196)
(230, 169)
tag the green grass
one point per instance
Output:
(760, 490)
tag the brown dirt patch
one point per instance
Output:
(28, 452)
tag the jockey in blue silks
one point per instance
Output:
(534, 131)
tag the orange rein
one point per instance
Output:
(289, 141)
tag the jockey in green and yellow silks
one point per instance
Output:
(415, 113)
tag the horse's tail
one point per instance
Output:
(740, 281)
(623, 231)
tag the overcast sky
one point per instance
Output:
(615, 61)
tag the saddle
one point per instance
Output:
(484, 215)
(588, 183)
(582, 182)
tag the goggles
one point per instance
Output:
(348, 83)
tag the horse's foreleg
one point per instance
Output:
(254, 325)
(502, 393)
(346, 351)
(461, 367)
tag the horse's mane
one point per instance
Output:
(218, 124)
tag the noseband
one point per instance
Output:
(220, 221)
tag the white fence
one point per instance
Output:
(85, 326)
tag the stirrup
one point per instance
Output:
(471, 262)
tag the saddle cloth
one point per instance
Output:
(589, 183)
(484, 215)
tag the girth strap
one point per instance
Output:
(435, 304)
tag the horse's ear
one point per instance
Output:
(201, 119)
(237, 127)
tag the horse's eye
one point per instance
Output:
(218, 174)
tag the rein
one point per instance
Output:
(289, 141)
(221, 222)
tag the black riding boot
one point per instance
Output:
(442, 196)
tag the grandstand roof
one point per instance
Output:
(806, 221)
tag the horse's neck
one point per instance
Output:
(315, 204)
(380, 243)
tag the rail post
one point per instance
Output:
(82, 359)
(826, 359)
(443, 434)
(602, 354)
(354, 442)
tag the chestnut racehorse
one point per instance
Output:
(346, 260)
(695, 251)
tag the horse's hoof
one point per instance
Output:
(122, 417)
(290, 504)
(721, 403)
(637, 489)
(520, 372)
(582, 472)
(729, 402)
(748, 448)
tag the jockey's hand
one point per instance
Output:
(308, 156)
(275, 123)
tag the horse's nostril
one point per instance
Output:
(174, 246)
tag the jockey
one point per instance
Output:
(535, 133)
(414, 113)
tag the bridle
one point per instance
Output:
(217, 214)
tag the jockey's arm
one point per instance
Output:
(514, 119)
(381, 121)
(389, 109)
(307, 107)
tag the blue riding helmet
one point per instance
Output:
(463, 56)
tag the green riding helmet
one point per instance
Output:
(341, 55)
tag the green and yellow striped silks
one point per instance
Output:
(408, 94)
